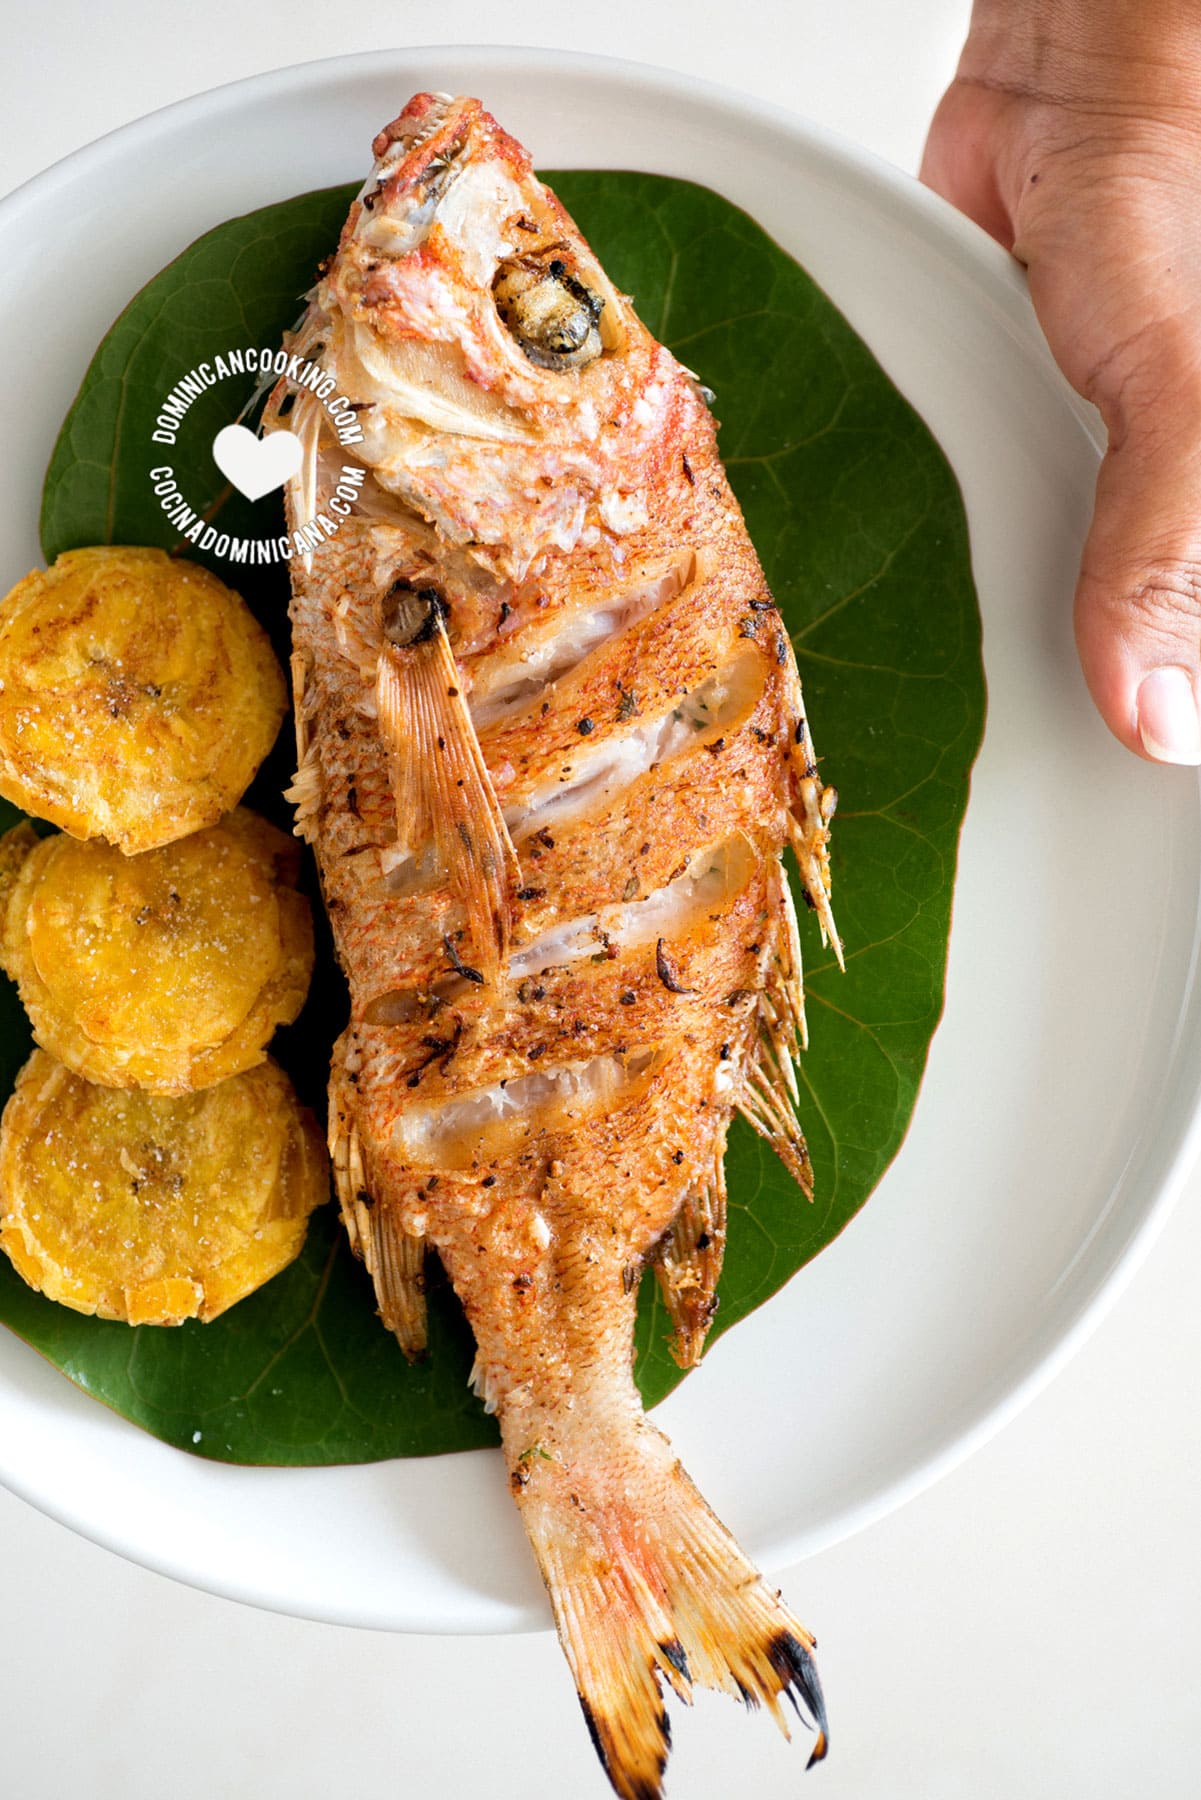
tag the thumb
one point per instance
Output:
(1138, 599)
(1115, 273)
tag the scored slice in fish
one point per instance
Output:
(551, 748)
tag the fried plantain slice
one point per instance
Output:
(138, 695)
(15, 846)
(169, 970)
(152, 1210)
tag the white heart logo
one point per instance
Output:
(256, 466)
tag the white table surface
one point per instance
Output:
(1027, 1627)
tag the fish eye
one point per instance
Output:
(410, 615)
(551, 313)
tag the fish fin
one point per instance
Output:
(303, 701)
(306, 422)
(304, 418)
(768, 1095)
(444, 794)
(689, 1264)
(812, 807)
(482, 1387)
(659, 1593)
(395, 1258)
(785, 982)
(305, 791)
(350, 1177)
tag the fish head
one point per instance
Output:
(506, 393)
(462, 295)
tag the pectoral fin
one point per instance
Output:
(448, 818)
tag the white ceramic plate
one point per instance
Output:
(1057, 1118)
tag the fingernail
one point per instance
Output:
(1166, 715)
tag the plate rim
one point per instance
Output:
(1005, 285)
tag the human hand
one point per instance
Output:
(1072, 133)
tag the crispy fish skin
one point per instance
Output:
(551, 746)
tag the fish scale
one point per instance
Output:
(544, 698)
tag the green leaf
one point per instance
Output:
(859, 525)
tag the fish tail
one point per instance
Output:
(663, 1594)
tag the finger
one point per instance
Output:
(1114, 279)
(1138, 600)
(959, 161)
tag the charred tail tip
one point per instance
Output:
(797, 1672)
(673, 1650)
(642, 1782)
(633, 1747)
(673, 1607)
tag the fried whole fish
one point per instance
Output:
(551, 746)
